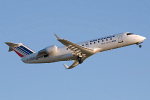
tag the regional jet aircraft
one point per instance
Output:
(77, 52)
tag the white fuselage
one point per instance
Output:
(99, 45)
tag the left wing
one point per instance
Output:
(77, 50)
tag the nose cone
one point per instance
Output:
(143, 38)
(139, 38)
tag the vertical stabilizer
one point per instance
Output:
(19, 48)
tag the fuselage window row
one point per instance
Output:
(98, 40)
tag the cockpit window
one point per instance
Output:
(129, 33)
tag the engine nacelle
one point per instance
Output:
(51, 49)
(48, 51)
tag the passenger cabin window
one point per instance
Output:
(129, 33)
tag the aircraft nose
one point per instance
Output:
(144, 38)
(141, 38)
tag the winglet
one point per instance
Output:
(66, 66)
(57, 37)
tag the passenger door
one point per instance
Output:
(120, 40)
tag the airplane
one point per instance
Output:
(77, 52)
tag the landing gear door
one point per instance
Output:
(120, 40)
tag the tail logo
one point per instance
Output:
(19, 48)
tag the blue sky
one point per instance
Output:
(120, 74)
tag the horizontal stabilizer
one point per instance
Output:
(11, 45)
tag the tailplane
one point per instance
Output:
(19, 48)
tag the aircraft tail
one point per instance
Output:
(19, 48)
